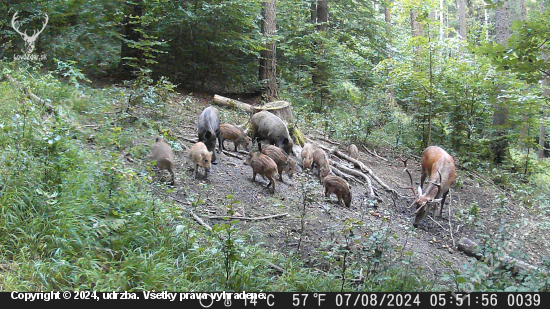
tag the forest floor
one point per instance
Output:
(477, 211)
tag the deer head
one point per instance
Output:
(29, 40)
(424, 201)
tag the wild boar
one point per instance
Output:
(307, 155)
(320, 160)
(209, 130)
(263, 165)
(338, 186)
(232, 133)
(353, 151)
(283, 161)
(162, 154)
(200, 156)
(267, 126)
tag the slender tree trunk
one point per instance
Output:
(486, 21)
(416, 27)
(499, 144)
(268, 76)
(387, 18)
(542, 129)
(319, 16)
(442, 20)
(462, 18)
(525, 125)
(544, 85)
(129, 26)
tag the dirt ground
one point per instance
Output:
(390, 221)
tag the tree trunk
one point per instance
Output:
(319, 16)
(322, 15)
(267, 72)
(387, 18)
(462, 18)
(544, 85)
(416, 27)
(525, 125)
(499, 144)
(127, 66)
(486, 21)
(442, 20)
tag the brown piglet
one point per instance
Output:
(200, 156)
(307, 153)
(263, 165)
(353, 151)
(338, 186)
(234, 134)
(283, 161)
(162, 154)
(320, 160)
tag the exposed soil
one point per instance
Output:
(325, 221)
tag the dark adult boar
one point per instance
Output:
(320, 160)
(162, 154)
(283, 161)
(200, 156)
(209, 130)
(267, 126)
(338, 186)
(263, 165)
(234, 134)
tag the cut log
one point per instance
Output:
(230, 103)
(281, 109)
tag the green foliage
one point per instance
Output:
(526, 47)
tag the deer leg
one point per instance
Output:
(443, 203)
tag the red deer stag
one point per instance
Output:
(439, 167)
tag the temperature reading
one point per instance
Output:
(296, 299)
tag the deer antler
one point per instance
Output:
(15, 27)
(35, 34)
(410, 178)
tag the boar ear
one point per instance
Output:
(285, 141)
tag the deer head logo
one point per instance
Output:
(29, 40)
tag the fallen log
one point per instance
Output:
(362, 166)
(197, 218)
(37, 99)
(374, 154)
(249, 218)
(230, 103)
(470, 248)
(359, 174)
(347, 177)
(227, 153)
